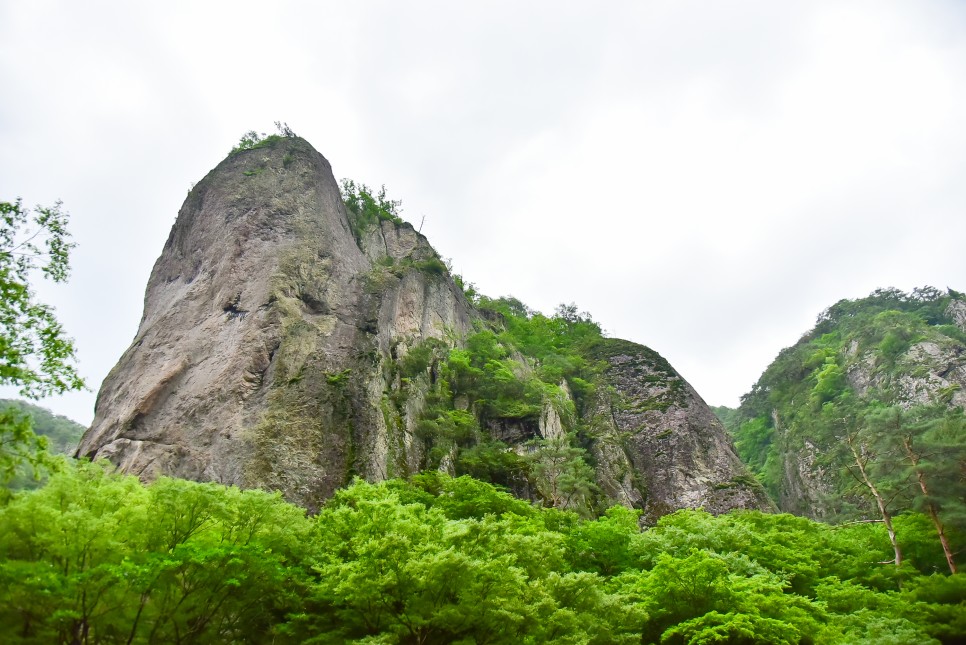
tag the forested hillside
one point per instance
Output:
(863, 417)
(62, 433)
(95, 557)
(30, 437)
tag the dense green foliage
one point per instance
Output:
(35, 438)
(887, 447)
(35, 355)
(515, 368)
(23, 453)
(95, 557)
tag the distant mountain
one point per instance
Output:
(62, 434)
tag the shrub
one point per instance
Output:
(366, 209)
(433, 266)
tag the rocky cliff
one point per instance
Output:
(291, 343)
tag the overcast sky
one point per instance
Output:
(704, 178)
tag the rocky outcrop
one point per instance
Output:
(257, 361)
(270, 348)
(932, 370)
(658, 445)
(808, 485)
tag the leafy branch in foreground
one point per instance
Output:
(35, 355)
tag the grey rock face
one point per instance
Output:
(268, 352)
(957, 311)
(658, 445)
(930, 371)
(263, 332)
(807, 485)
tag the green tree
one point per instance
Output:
(407, 573)
(96, 557)
(19, 446)
(604, 545)
(447, 560)
(366, 208)
(866, 450)
(35, 354)
(942, 450)
(926, 445)
(562, 473)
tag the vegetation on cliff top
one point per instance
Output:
(253, 140)
(366, 208)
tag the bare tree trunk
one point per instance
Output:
(886, 517)
(930, 507)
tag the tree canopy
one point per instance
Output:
(98, 557)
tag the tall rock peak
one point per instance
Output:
(288, 344)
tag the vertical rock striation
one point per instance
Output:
(256, 362)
